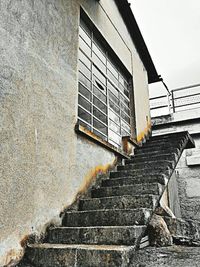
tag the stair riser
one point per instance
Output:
(132, 181)
(169, 137)
(162, 143)
(135, 173)
(147, 166)
(151, 189)
(157, 151)
(143, 159)
(106, 218)
(96, 236)
(78, 257)
(125, 202)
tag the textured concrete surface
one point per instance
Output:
(188, 168)
(176, 256)
(159, 235)
(100, 221)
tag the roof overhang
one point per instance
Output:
(130, 21)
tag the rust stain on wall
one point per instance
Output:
(92, 174)
(13, 257)
(144, 133)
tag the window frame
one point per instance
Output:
(128, 81)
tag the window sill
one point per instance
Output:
(83, 131)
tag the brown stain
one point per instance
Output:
(13, 257)
(24, 241)
(93, 173)
(145, 132)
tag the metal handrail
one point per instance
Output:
(173, 101)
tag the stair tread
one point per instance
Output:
(81, 246)
(106, 210)
(101, 227)
(124, 186)
(117, 197)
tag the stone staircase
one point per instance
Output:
(107, 227)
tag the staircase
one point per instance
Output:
(108, 226)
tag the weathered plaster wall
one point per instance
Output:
(188, 169)
(43, 163)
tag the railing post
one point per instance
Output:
(168, 101)
(173, 103)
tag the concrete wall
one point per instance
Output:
(188, 169)
(44, 164)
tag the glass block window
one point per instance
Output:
(104, 91)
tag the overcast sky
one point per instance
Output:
(171, 29)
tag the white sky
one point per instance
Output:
(171, 29)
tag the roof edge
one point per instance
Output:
(134, 30)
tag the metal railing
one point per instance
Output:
(179, 99)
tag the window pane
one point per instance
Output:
(112, 70)
(125, 109)
(85, 125)
(84, 103)
(99, 53)
(124, 100)
(100, 115)
(115, 137)
(85, 36)
(99, 85)
(114, 117)
(99, 126)
(99, 75)
(125, 126)
(124, 133)
(83, 90)
(84, 80)
(114, 107)
(99, 94)
(84, 26)
(84, 59)
(113, 98)
(99, 104)
(113, 90)
(84, 47)
(123, 81)
(84, 115)
(123, 90)
(125, 117)
(112, 78)
(114, 127)
(99, 63)
(84, 70)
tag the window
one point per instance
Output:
(104, 97)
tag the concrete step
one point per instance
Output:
(150, 152)
(148, 165)
(119, 202)
(163, 142)
(119, 217)
(54, 255)
(144, 158)
(170, 136)
(166, 147)
(161, 179)
(140, 172)
(151, 189)
(101, 235)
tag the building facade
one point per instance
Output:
(74, 80)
